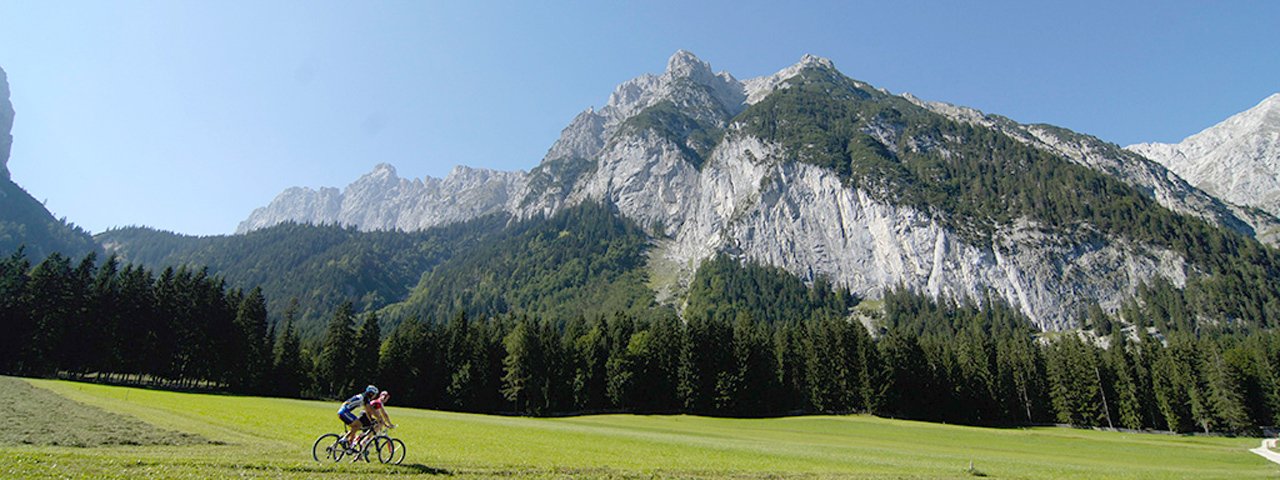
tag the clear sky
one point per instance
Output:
(186, 116)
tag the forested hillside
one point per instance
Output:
(979, 181)
(26, 224)
(585, 260)
(320, 266)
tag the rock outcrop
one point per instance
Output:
(1237, 160)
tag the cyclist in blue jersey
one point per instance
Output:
(347, 415)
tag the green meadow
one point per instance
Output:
(96, 431)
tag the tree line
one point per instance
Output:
(914, 357)
(183, 328)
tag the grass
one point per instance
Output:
(264, 437)
(30, 409)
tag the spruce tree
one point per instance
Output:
(49, 295)
(15, 318)
(333, 373)
(522, 366)
(364, 360)
(1225, 388)
(288, 370)
(251, 343)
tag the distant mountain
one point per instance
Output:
(825, 176)
(1237, 160)
(24, 221)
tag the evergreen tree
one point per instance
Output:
(251, 345)
(523, 363)
(50, 296)
(333, 366)
(1226, 390)
(15, 319)
(364, 359)
(288, 369)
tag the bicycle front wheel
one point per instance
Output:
(327, 448)
(397, 451)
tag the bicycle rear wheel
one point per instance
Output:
(327, 448)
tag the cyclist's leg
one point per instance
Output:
(351, 422)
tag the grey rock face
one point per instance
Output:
(381, 200)
(1237, 160)
(6, 125)
(751, 199)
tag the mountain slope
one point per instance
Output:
(321, 266)
(825, 176)
(24, 221)
(1237, 160)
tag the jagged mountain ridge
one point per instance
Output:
(1237, 160)
(667, 152)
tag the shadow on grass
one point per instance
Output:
(315, 468)
(421, 469)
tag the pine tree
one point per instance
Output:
(1121, 367)
(333, 367)
(15, 318)
(251, 345)
(104, 310)
(49, 296)
(288, 370)
(1225, 388)
(364, 359)
(521, 367)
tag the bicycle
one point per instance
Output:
(331, 447)
(390, 450)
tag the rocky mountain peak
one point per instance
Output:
(384, 170)
(6, 125)
(814, 61)
(688, 82)
(684, 64)
(1237, 160)
(758, 88)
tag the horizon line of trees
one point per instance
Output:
(924, 359)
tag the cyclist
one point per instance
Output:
(358, 401)
(378, 410)
(374, 413)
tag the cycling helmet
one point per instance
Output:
(371, 391)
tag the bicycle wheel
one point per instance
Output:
(367, 449)
(397, 451)
(327, 448)
(382, 445)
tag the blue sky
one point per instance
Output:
(185, 116)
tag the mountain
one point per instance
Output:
(828, 177)
(381, 200)
(321, 266)
(24, 221)
(6, 125)
(1237, 160)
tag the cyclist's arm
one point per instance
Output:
(382, 413)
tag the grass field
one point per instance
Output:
(263, 437)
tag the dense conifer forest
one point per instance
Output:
(755, 341)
